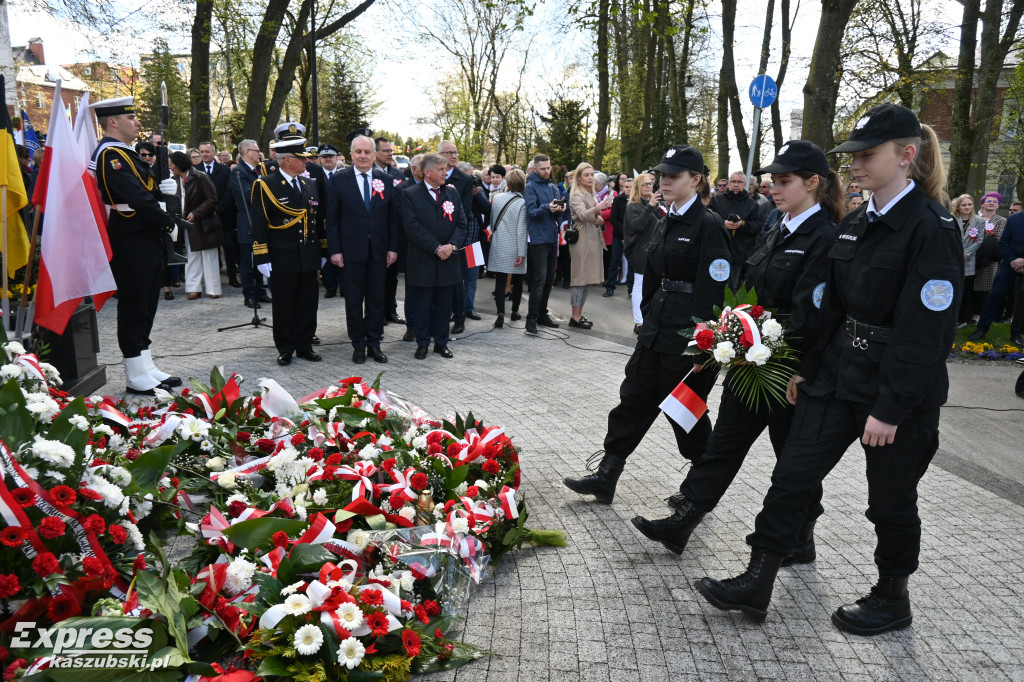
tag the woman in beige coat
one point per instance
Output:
(587, 259)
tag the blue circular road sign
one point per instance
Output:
(763, 91)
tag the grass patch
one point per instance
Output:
(998, 335)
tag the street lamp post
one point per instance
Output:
(314, 126)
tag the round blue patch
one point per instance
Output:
(818, 295)
(937, 294)
(719, 270)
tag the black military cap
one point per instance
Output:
(357, 132)
(682, 157)
(798, 155)
(883, 123)
(328, 150)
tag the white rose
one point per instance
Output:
(215, 464)
(407, 513)
(758, 354)
(359, 538)
(724, 352)
(227, 480)
(460, 525)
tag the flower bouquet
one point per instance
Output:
(749, 344)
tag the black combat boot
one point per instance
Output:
(804, 552)
(673, 531)
(886, 607)
(750, 591)
(602, 483)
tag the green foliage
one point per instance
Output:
(565, 139)
(165, 67)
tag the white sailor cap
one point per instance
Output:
(114, 107)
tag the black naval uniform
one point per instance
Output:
(391, 276)
(888, 319)
(686, 274)
(288, 232)
(135, 228)
(788, 275)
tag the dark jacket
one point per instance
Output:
(351, 231)
(541, 223)
(905, 272)
(319, 175)
(242, 179)
(428, 226)
(745, 237)
(201, 203)
(618, 215)
(221, 177)
(692, 248)
(1011, 241)
(287, 226)
(463, 184)
(640, 224)
(127, 184)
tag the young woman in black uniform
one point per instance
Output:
(877, 373)
(788, 272)
(686, 273)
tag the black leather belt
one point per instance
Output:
(677, 286)
(862, 333)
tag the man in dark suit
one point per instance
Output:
(362, 238)
(330, 273)
(221, 176)
(434, 223)
(415, 164)
(463, 184)
(385, 163)
(288, 240)
(243, 176)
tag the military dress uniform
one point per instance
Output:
(686, 274)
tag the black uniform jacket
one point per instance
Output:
(242, 179)
(287, 226)
(353, 232)
(428, 225)
(904, 271)
(692, 247)
(128, 186)
(789, 275)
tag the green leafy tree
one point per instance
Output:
(565, 139)
(164, 67)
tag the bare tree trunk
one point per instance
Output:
(787, 45)
(727, 83)
(822, 87)
(683, 109)
(603, 97)
(637, 156)
(286, 71)
(199, 81)
(262, 61)
(960, 144)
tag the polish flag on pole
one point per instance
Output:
(75, 251)
(684, 406)
(474, 255)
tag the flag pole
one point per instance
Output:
(3, 209)
(24, 320)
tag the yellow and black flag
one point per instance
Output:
(14, 236)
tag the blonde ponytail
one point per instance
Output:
(927, 168)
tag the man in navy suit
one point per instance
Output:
(463, 184)
(435, 228)
(362, 238)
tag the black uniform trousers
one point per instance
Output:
(296, 295)
(331, 274)
(822, 429)
(137, 264)
(650, 376)
(736, 429)
(363, 285)
(430, 309)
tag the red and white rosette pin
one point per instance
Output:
(378, 188)
(449, 209)
(396, 182)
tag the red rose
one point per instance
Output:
(265, 445)
(419, 481)
(132, 454)
(472, 491)
(12, 536)
(45, 564)
(434, 437)
(372, 598)
(51, 527)
(432, 607)
(411, 642)
(434, 449)
(315, 454)
(93, 567)
(421, 614)
(298, 439)
(280, 539)
(236, 508)
(64, 606)
(94, 523)
(491, 466)
(378, 623)
(139, 564)
(24, 497)
(335, 459)
(756, 312)
(63, 496)
(9, 586)
(118, 534)
(705, 339)
(243, 436)
(438, 634)
(389, 464)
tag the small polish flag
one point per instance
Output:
(683, 406)
(474, 255)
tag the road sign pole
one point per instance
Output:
(753, 144)
(763, 92)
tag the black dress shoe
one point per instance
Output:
(263, 298)
(330, 294)
(443, 351)
(284, 359)
(310, 355)
(421, 353)
(393, 317)
(316, 340)
(581, 324)
(499, 321)
(409, 335)
(250, 303)
(458, 328)
(359, 356)
(168, 295)
(234, 283)
(171, 381)
(377, 354)
(978, 334)
(472, 315)
(516, 316)
(608, 292)
(546, 321)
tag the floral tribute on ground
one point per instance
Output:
(336, 536)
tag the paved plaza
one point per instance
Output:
(614, 606)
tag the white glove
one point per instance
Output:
(168, 186)
(174, 233)
(264, 269)
(323, 262)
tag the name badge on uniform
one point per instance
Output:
(818, 296)
(719, 270)
(850, 237)
(937, 294)
(798, 251)
(683, 239)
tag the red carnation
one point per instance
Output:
(243, 436)
(705, 339)
(432, 607)
(132, 454)
(378, 623)
(434, 437)
(448, 506)
(11, 671)
(472, 491)
(88, 493)
(12, 536)
(175, 482)
(329, 472)
(434, 449)
(491, 466)
(411, 642)
(186, 391)
(139, 564)
(64, 606)
(63, 496)
(438, 634)
(406, 606)
(9, 586)
(236, 508)
(389, 464)
(315, 454)
(45, 564)
(118, 534)
(93, 567)
(298, 438)
(756, 312)
(745, 341)
(280, 539)
(94, 523)
(334, 460)
(421, 614)
(454, 449)
(24, 497)
(419, 481)
(51, 527)
(265, 445)
(372, 598)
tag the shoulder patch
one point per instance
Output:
(115, 164)
(719, 270)
(937, 294)
(818, 295)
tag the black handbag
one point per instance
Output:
(988, 253)
(572, 235)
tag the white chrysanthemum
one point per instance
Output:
(54, 452)
(227, 480)
(420, 442)
(116, 443)
(282, 460)
(79, 422)
(43, 407)
(57, 476)
(103, 429)
(359, 538)
(368, 452)
(117, 475)
(438, 511)
(292, 589)
(14, 605)
(772, 329)
(350, 653)
(407, 513)
(143, 508)
(165, 482)
(238, 577)
(308, 640)
(125, 506)
(724, 352)
(32, 472)
(350, 615)
(460, 525)
(301, 513)
(135, 536)
(11, 371)
(51, 372)
(298, 604)
(320, 497)
(215, 464)
(758, 354)
(14, 348)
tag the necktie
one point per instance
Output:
(295, 184)
(872, 216)
(209, 169)
(366, 192)
(437, 195)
